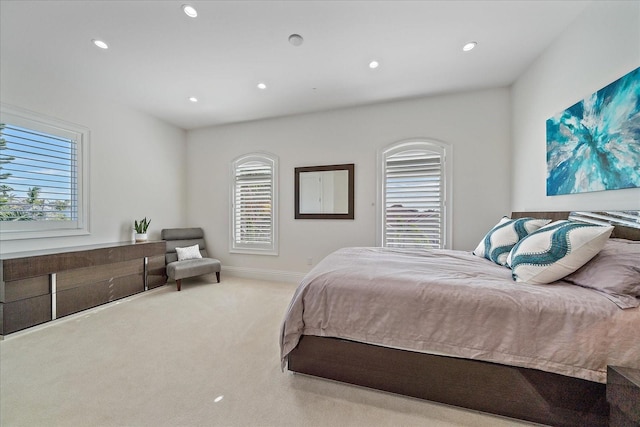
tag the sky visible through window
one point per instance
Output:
(37, 174)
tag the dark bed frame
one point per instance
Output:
(522, 393)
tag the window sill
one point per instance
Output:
(254, 252)
(41, 234)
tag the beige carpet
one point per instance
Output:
(205, 356)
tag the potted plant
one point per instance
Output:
(141, 229)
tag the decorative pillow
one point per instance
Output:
(500, 239)
(190, 252)
(556, 250)
(615, 271)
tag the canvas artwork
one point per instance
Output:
(594, 145)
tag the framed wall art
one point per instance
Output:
(594, 145)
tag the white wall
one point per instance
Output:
(601, 46)
(476, 124)
(137, 162)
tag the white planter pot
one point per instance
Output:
(141, 237)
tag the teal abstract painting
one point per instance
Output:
(594, 145)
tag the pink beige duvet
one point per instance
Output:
(456, 304)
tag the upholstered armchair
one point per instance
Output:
(186, 255)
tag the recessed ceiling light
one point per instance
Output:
(467, 47)
(100, 44)
(262, 86)
(296, 39)
(374, 64)
(190, 11)
(193, 99)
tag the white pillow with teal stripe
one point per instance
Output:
(556, 250)
(495, 246)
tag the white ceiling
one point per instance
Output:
(159, 57)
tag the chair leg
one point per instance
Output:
(179, 283)
(218, 276)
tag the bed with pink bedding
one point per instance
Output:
(361, 312)
(456, 304)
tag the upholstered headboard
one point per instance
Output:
(626, 223)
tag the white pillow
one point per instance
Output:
(190, 252)
(497, 243)
(555, 250)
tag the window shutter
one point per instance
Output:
(254, 217)
(413, 199)
(38, 176)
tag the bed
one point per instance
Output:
(374, 317)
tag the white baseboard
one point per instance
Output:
(261, 274)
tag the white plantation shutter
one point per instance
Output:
(414, 196)
(253, 204)
(41, 173)
(253, 199)
(43, 176)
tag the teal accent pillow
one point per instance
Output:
(497, 243)
(556, 250)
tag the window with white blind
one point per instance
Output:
(43, 176)
(413, 196)
(254, 204)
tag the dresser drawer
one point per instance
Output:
(24, 313)
(156, 271)
(15, 290)
(83, 276)
(90, 295)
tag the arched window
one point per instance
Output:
(254, 204)
(414, 206)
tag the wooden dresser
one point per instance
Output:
(40, 286)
